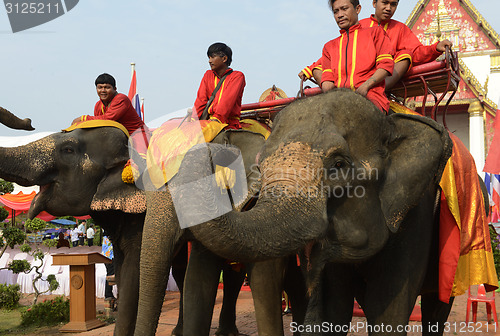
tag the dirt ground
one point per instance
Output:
(247, 325)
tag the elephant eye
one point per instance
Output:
(339, 164)
(68, 150)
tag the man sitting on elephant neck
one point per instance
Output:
(113, 105)
(221, 104)
(117, 106)
(360, 58)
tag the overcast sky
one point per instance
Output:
(47, 73)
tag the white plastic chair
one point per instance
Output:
(4, 261)
(12, 277)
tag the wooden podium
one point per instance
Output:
(82, 310)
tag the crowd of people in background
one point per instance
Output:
(77, 236)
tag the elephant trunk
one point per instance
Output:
(290, 211)
(10, 120)
(160, 236)
(29, 164)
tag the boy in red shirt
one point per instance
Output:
(226, 105)
(359, 59)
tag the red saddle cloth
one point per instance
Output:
(465, 254)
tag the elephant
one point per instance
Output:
(341, 181)
(161, 240)
(79, 176)
(10, 120)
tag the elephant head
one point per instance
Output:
(78, 171)
(11, 121)
(334, 169)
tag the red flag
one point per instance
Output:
(492, 164)
(134, 96)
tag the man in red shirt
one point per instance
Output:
(225, 108)
(360, 58)
(408, 50)
(113, 105)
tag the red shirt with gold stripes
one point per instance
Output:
(353, 57)
(226, 106)
(120, 109)
(404, 42)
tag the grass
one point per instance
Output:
(9, 319)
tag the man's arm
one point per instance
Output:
(327, 78)
(314, 70)
(378, 76)
(399, 71)
(384, 61)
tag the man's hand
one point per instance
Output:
(441, 46)
(303, 76)
(76, 120)
(363, 89)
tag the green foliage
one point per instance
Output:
(9, 296)
(53, 284)
(48, 312)
(3, 214)
(13, 236)
(495, 246)
(35, 224)
(6, 187)
(50, 242)
(19, 266)
(25, 248)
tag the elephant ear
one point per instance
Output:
(113, 194)
(418, 151)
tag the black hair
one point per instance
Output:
(220, 49)
(105, 79)
(355, 3)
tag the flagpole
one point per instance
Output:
(132, 64)
(142, 109)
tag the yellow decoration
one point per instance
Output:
(225, 177)
(128, 175)
(97, 123)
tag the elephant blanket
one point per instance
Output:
(466, 256)
(171, 141)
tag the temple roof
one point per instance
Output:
(457, 20)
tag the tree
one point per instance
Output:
(6, 187)
(14, 236)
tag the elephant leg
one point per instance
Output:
(200, 290)
(128, 285)
(266, 281)
(335, 305)
(233, 280)
(295, 286)
(179, 266)
(434, 314)
(161, 237)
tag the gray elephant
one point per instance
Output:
(342, 180)
(161, 240)
(79, 175)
